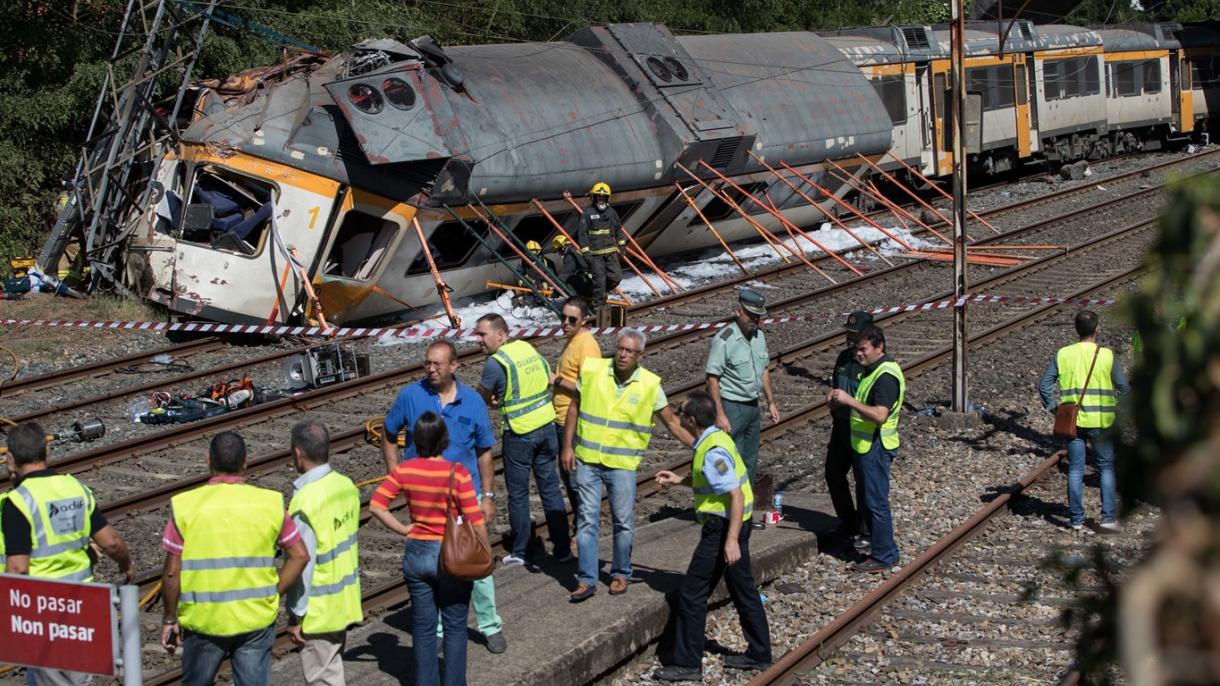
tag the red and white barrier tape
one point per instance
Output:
(424, 332)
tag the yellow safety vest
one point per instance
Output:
(862, 430)
(1097, 408)
(527, 395)
(228, 558)
(614, 429)
(707, 501)
(58, 508)
(331, 505)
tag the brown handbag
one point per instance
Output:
(464, 555)
(1065, 413)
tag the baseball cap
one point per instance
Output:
(858, 321)
(752, 302)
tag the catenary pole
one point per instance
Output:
(129, 632)
(958, 55)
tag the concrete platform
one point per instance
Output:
(551, 641)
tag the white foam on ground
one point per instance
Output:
(710, 265)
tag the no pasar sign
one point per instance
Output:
(57, 624)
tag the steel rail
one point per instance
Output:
(815, 649)
(37, 383)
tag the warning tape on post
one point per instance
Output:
(433, 332)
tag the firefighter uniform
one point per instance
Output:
(600, 235)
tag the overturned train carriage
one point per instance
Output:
(335, 160)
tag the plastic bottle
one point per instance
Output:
(777, 505)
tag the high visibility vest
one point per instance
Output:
(228, 558)
(862, 430)
(527, 395)
(58, 508)
(331, 505)
(1097, 407)
(707, 501)
(614, 430)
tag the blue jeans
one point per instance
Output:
(620, 483)
(1104, 448)
(874, 470)
(431, 589)
(534, 452)
(250, 654)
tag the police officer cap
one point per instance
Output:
(858, 321)
(752, 302)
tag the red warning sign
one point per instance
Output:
(57, 624)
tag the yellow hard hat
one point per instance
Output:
(600, 188)
(533, 246)
(559, 241)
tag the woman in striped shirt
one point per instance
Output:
(424, 482)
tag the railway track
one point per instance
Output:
(979, 605)
(708, 293)
(142, 498)
(1094, 261)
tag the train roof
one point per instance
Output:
(1140, 36)
(983, 37)
(886, 44)
(1201, 35)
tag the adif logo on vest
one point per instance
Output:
(633, 398)
(67, 516)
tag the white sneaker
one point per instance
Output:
(511, 561)
(1113, 527)
(1077, 527)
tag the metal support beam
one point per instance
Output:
(958, 55)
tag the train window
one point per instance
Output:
(893, 92)
(1126, 78)
(993, 83)
(365, 98)
(718, 209)
(399, 93)
(658, 68)
(677, 69)
(1196, 75)
(626, 209)
(1021, 85)
(1186, 75)
(1152, 76)
(1052, 79)
(537, 227)
(1070, 78)
(451, 246)
(359, 246)
(228, 211)
(1090, 83)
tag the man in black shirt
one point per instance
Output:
(874, 440)
(840, 458)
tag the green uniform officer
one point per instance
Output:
(737, 378)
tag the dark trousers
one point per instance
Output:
(250, 654)
(607, 273)
(534, 452)
(840, 459)
(874, 466)
(706, 568)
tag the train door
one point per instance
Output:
(942, 137)
(1021, 101)
(927, 155)
(1180, 89)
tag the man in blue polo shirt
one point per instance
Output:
(470, 443)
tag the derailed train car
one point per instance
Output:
(335, 160)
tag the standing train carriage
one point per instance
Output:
(1200, 48)
(343, 162)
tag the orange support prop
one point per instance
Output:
(541, 208)
(317, 304)
(505, 239)
(773, 241)
(275, 309)
(784, 220)
(940, 190)
(441, 287)
(711, 228)
(848, 207)
(639, 254)
(877, 195)
(838, 222)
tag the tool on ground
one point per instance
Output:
(324, 365)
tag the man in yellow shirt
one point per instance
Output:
(581, 345)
